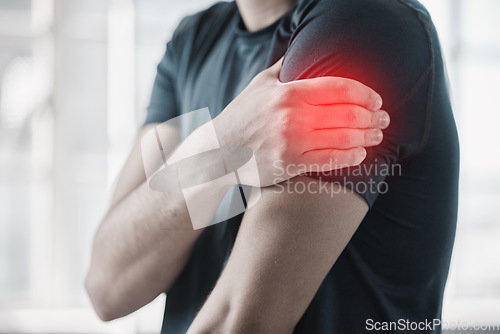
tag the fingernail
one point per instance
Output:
(378, 102)
(362, 153)
(384, 120)
(376, 136)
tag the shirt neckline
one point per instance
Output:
(257, 35)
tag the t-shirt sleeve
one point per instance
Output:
(384, 45)
(163, 104)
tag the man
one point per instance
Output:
(372, 252)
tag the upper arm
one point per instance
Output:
(285, 247)
(289, 241)
(386, 46)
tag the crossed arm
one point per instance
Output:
(286, 245)
(287, 242)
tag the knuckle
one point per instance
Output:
(337, 159)
(288, 94)
(374, 117)
(285, 119)
(343, 88)
(333, 156)
(282, 124)
(346, 138)
(353, 117)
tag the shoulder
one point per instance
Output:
(399, 17)
(365, 40)
(404, 25)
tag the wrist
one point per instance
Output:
(201, 140)
(226, 128)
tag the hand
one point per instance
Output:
(311, 125)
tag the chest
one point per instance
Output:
(218, 76)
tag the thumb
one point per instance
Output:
(330, 159)
(275, 69)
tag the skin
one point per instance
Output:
(146, 238)
(279, 261)
(312, 123)
(257, 14)
(267, 291)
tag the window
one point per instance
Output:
(75, 77)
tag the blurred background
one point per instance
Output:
(75, 80)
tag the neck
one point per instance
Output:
(258, 14)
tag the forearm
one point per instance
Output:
(285, 247)
(145, 239)
(137, 253)
(139, 250)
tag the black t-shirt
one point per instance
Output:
(395, 266)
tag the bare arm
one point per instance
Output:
(129, 266)
(144, 241)
(286, 245)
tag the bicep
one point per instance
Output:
(386, 48)
(382, 45)
(286, 245)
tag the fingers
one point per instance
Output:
(336, 90)
(341, 139)
(330, 159)
(345, 116)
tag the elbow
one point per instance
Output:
(100, 292)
